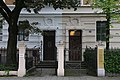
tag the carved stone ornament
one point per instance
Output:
(48, 21)
(74, 21)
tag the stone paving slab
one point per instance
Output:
(49, 74)
(60, 78)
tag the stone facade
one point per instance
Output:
(62, 21)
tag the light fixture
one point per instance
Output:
(72, 33)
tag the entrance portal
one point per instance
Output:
(49, 49)
(75, 45)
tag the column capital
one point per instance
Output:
(60, 45)
(21, 44)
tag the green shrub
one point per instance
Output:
(112, 61)
(11, 67)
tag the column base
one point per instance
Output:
(60, 72)
(21, 72)
(100, 72)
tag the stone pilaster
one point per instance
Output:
(60, 70)
(21, 68)
(100, 61)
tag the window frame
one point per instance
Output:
(102, 29)
(1, 26)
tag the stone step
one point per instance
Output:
(47, 64)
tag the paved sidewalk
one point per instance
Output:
(60, 78)
(49, 74)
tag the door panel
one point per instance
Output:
(49, 45)
(75, 45)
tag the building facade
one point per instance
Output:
(75, 29)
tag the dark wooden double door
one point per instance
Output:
(75, 45)
(49, 49)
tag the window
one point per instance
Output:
(9, 2)
(0, 30)
(101, 30)
(23, 34)
(86, 2)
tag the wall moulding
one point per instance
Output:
(74, 21)
(48, 21)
